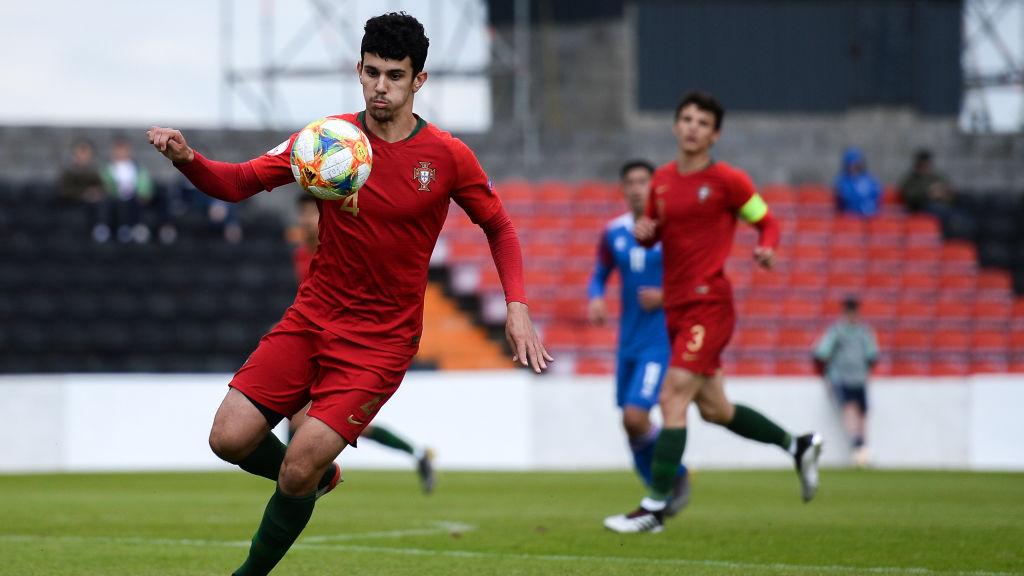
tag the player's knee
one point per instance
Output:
(712, 412)
(297, 478)
(225, 446)
(635, 424)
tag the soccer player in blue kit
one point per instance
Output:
(644, 348)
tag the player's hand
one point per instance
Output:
(523, 339)
(644, 229)
(765, 257)
(651, 298)
(171, 144)
(597, 312)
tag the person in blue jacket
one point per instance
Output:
(857, 190)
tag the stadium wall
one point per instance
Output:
(504, 421)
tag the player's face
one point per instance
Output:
(388, 85)
(695, 130)
(636, 185)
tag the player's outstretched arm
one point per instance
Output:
(221, 180)
(171, 144)
(527, 348)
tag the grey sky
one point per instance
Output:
(136, 62)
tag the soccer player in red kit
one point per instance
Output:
(692, 210)
(354, 327)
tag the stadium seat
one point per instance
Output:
(755, 338)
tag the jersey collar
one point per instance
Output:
(420, 123)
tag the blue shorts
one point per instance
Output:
(638, 379)
(852, 393)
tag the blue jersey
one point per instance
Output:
(639, 267)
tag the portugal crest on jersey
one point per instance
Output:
(424, 174)
(703, 193)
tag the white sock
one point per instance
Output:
(792, 446)
(651, 504)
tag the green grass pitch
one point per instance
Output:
(739, 523)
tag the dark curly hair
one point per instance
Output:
(706, 102)
(394, 36)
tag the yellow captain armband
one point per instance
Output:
(754, 209)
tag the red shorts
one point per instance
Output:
(298, 361)
(699, 333)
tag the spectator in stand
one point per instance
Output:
(857, 190)
(923, 189)
(220, 215)
(80, 183)
(80, 180)
(129, 191)
(845, 355)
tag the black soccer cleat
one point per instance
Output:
(808, 449)
(330, 480)
(425, 470)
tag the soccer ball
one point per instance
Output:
(331, 158)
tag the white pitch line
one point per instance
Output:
(475, 554)
(439, 528)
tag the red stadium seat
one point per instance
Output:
(778, 195)
(804, 252)
(815, 196)
(952, 366)
(890, 281)
(911, 367)
(801, 309)
(995, 279)
(598, 193)
(751, 308)
(886, 226)
(767, 279)
(919, 254)
(798, 340)
(754, 364)
(807, 280)
(468, 251)
(951, 341)
(595, 364)
(562, 336)
(921, 225)
(751, 338)
(912, 340)
(921, 282)
(959, 252)
(599, 338)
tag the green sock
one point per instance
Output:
(266, 459)
(389, 439)
(283, 520)
(668, 453)
(751, 424)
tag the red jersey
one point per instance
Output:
(696, 215)
(367, 280)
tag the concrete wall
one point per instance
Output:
(505, 421)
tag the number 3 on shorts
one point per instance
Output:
(696, 342)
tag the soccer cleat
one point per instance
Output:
(808, 449)
(330, 480)
(639, 520)
(425, 469)
(680, 495)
